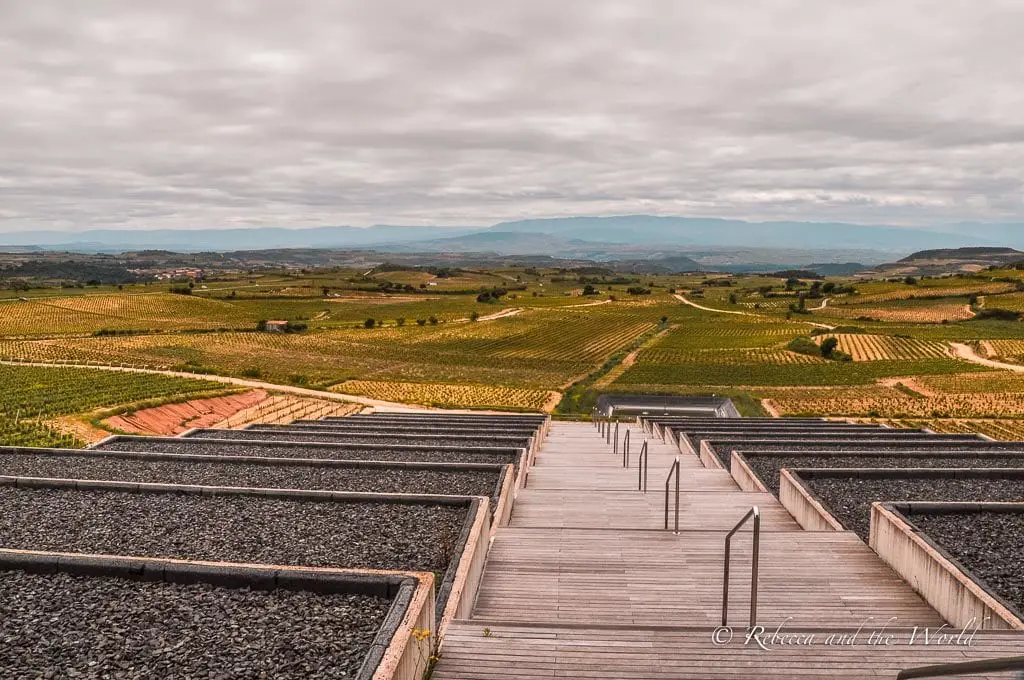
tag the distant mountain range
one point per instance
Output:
(600, 238)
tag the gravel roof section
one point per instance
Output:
(849, 499)
(62, 626)
(989, 544)
(724, 447)
(418, 537)
(307, 435)
(768, 467)
(270, 450)
(379, 480)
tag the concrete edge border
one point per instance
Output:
(806, 508)
(943, 582)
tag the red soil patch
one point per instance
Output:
(176, 418)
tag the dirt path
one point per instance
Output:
(769, 407)
(967, 353)
(243, 382)
(728, 311)
(823, 305)
(910, 383)
(589, 304)
(712, 309)
(505, 313)
(552, 402)
(627, 361)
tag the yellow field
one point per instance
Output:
(756, 355)
(928, 313)
(1004, 429)
(886, 347)
(912, 292)
(458, 396)
(888, 402)
(85, 314)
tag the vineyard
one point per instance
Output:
(414, 336)
(1006, 349)
(1002, 429)
(919, 291)
(537, 349)
(452, 396)
(31, 395)
(878, 401)
(909, 311)
(888, 348)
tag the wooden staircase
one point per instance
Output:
(586, 583)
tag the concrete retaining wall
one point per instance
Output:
(804, 506)
(941, 581)
(745, 478)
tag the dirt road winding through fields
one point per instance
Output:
(967, 353)
(729, 311)
(711, 309)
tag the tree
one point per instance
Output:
(326, 290)
(910, 281)
(664, 320)
(827, 288)
(828, 347)
(421, 322)
(369, 323)
(589, 290)
(732, 298)
(432, 320)
(474, 315)
(400, 321)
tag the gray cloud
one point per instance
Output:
(200, 113)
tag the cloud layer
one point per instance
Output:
(117, 113)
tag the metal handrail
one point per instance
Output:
(674, 470)
(615, 445)
(1013, 663)
(641, 469)
(608, 432)
(755, 558)
(625, 449)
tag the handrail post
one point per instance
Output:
(674, 470)
(677, 495)
(608, 432)
(625, 449)
(646, 459)
(755, 560)
(615, 445)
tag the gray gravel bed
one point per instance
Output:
(299, 435)
(989, 544)
(268, 449)
(723, 448)
(371, 535)
(61, 626)
(378, 480)
(768, 467)
(386, 430)
(330, 436)
(849, 499)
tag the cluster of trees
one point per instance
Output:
(492, 295)
(400, 321)
(828, 349)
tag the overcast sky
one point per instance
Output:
(216, 113)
